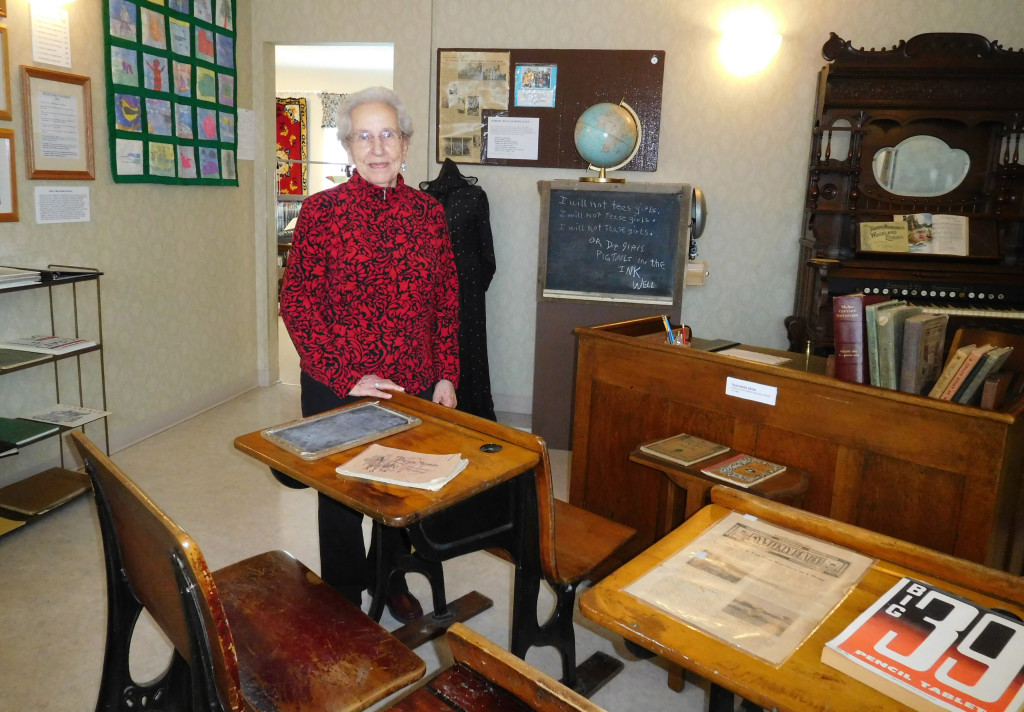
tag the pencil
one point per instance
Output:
(671, 336)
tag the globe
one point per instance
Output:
(607, 135)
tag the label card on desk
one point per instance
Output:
(749, 390)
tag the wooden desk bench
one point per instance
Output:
(787, 487)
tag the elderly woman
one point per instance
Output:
(370, 299)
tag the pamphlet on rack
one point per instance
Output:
(403, 467)
(11, 277)
(756, 586)
(53, 345)
(69, 416)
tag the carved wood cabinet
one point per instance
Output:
(958, 89)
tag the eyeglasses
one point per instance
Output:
(364, 139)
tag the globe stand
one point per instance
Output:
(581, 125)
(601, 177)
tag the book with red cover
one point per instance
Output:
(934, 651)
(743, 470)
(850, 335)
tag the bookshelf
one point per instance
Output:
(73, 303)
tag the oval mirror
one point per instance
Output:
(920, 166)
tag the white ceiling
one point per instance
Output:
(336, 56)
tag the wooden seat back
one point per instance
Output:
(300, 644)
(149, 547)
(573, 541)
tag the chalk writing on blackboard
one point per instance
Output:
(613, 245)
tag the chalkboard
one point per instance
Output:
(622, 242)
(321, 435)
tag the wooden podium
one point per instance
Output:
(938, 474)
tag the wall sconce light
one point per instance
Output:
(749, 41)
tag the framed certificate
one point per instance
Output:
(58, 124)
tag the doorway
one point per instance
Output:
(307, 72)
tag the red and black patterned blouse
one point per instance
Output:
(371, 287)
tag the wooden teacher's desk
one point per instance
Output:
(802, 682)
(395, 508)
(938, 474)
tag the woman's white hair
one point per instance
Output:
(367, 96)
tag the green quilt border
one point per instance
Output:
(109, 42)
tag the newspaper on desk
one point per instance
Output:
(754, 585)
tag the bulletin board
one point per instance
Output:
(486, 92)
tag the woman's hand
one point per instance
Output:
(444, 393)
(376, 387)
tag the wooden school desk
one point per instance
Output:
(494, 518)
(802, 682)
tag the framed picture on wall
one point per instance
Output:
(3, 8)
(5, 76)
(8, 179)
(57, 108)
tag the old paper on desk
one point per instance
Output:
(759, 587)
(403, 467)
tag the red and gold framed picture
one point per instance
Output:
(291, 146)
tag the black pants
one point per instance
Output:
(343, 558)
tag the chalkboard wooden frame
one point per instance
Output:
(613, 242)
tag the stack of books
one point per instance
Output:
(738, 469)
(965, 374)
(891, 344)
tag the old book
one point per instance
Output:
(884, 236)
(683, 449)
(743, 470)
(964, 372)
(11, 359)
(849, 334)
(921, 364)
(933, 651)
(937, 234)
(871, 324)
(890, 343)
(404, 467)
(993, 393)
(40, 493)
(953, 364)
(21, 432)
(991, 362)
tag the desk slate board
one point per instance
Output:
(320, 435)
(618, 242)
